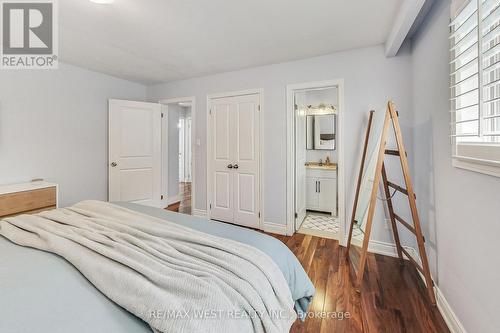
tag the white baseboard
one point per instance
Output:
(174, 199)
(199, 212)
(167, 201)
(388, 249)
(449, 316)
(275, 228)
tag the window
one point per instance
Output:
(475, 86)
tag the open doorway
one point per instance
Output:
(178, 149)
(316, 199)
(185, 158)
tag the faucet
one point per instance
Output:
(327, 161)
(320, 162)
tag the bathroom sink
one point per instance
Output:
(315, 165)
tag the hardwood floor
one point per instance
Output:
(393, 298)
(183, 206)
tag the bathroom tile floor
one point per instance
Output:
(325, 225)
(321, 222)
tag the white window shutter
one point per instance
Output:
(475, 82)
(457, 6)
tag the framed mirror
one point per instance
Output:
(365, 184)
(320, 132)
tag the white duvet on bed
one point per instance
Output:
(174, 278)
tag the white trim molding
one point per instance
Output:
(290, 148)
(387, 249)
(477, 165)
(173, 199)
(274, 228)
(449, 316)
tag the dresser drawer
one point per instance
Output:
(28, 202)
(318, 173)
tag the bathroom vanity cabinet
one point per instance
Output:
(321, 189)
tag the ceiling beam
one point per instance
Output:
(403, 23)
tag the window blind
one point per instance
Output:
(475, 81)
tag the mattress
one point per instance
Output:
(41, 292)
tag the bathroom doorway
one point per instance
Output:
(317, 177)
(178, 119)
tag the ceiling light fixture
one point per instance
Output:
(103, 2)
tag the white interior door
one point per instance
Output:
(234, 160)
(300, 168)
(221, 206)
(245, 124)
(135, 152)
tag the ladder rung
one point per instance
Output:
(421, 270)
(399, 188)
(406, 224)
(392, 152)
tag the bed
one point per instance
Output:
(42, 292)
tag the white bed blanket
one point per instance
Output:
(174, 278)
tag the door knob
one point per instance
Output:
(230, 166)
(114, 164)
(236, 166)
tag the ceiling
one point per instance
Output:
(152, 41)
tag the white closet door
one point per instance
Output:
(135, 152)
(235, 151)
(221, 159)
(245, 128)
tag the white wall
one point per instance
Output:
(54, 125)
(370, 80)
(460, 209)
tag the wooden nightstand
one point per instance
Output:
(27, 198)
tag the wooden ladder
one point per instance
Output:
(392, 116)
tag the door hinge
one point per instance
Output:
(296, 215)
(258, 107)
(162, 114)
